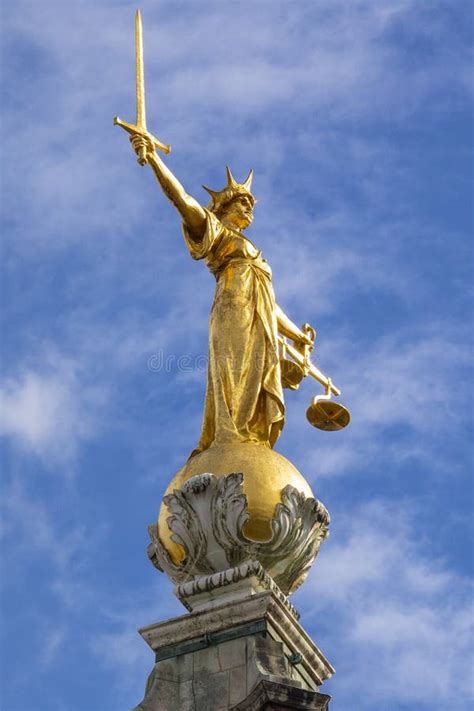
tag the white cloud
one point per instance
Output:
(125, 653)
(229, 63)
(118, 646)
(52, 643)
(29, 526)
(50, 411)
(298, 90)
(403, 380)
(394, 615)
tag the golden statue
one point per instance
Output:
(248, 331)
(244, 399)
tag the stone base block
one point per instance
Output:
(269, 695)
(240, 652)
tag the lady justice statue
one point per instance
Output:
(244, 399)
(244, 409)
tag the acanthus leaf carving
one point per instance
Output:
(229, 515)
(186, 525)
(299, 527)
(207, 517)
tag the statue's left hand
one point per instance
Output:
(308, 335)
(306, 340)
(303, 343)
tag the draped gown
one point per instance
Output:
(244, 397)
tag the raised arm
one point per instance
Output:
(189, 209)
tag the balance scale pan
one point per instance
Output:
(328, 415)
(291, 374)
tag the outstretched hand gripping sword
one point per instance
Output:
(140, 128)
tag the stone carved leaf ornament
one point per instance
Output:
(208, 514)
(229, 516)
(187, 529)
(299, 527)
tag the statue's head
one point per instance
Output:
(235, 202)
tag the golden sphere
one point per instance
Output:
(266, 473)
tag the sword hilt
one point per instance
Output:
(134, 130)
(142, 160)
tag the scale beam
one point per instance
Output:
(309, 368)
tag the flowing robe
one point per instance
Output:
(244, 397)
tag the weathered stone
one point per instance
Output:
(211, 691)
(237, 684)
(185, 665)
(263, 612)
(232, 653)
(264, 662)
(229, 586)
(168, 670)
(268, 695)
(213, 660)
(270, 656)
(186, 696)
(208, 518)
(206, 661)
(161, 691)
(206, 622)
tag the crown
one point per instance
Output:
(220, 198)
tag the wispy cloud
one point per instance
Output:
(52, 411)
(384, 603)
(120, 649)
(30, 529)
(354, 115)
(33, 537)
(53, 641)
(349, 65)
(400, 382)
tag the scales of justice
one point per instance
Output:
(239, 524)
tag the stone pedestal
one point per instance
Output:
(241, 645)
(237, 652)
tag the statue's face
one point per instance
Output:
(239, 212)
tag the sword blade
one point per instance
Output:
(140, 78)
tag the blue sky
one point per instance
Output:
(356, 119)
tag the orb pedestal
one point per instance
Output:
(237, 532)
(265, 474)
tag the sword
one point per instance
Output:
(140, 128)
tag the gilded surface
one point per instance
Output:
(255, 350)
(209, 517)
(140, 127)
(266, 473)
(244, 398)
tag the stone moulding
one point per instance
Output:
(273, 695)
(207, 517)
(251, 570)
(280, 625)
